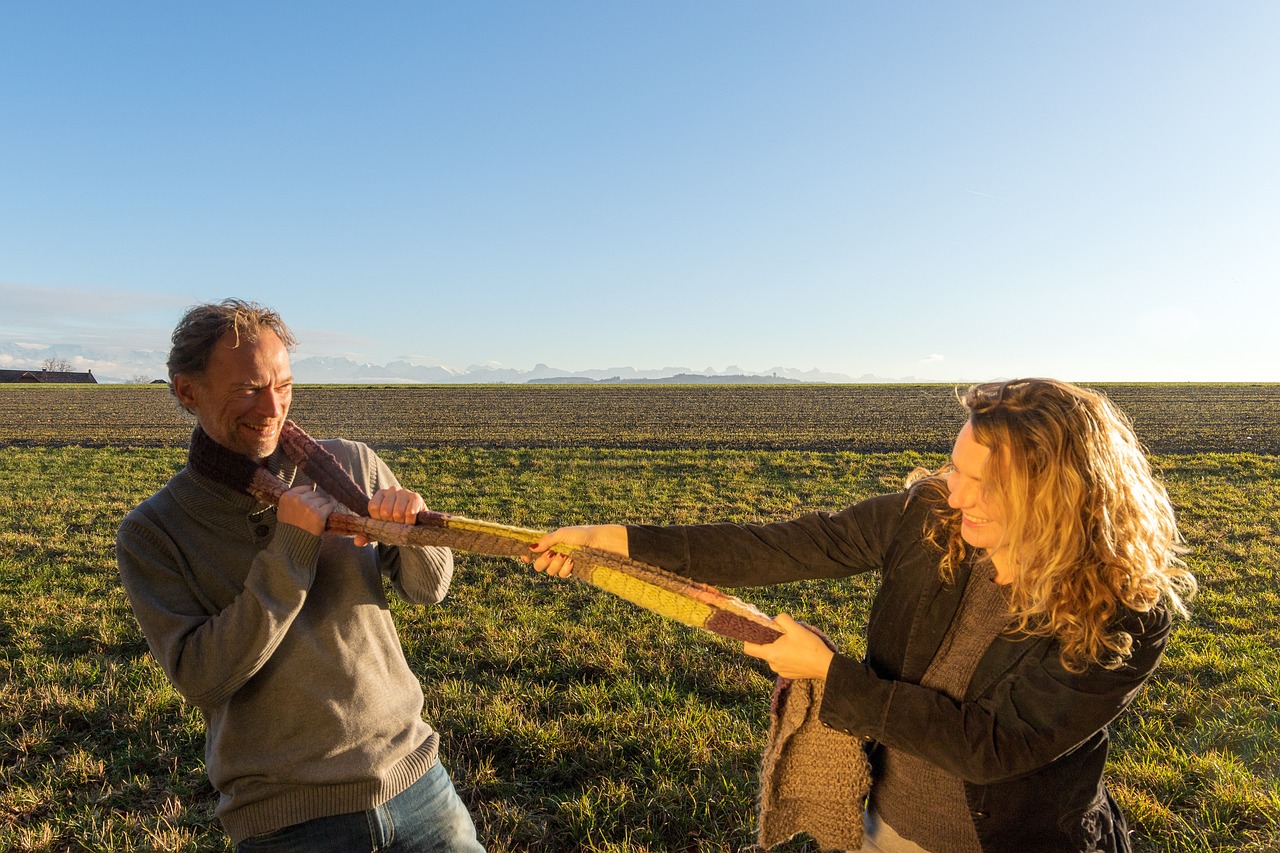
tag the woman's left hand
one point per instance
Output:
(798, 653)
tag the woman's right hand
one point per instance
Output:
(605, 537)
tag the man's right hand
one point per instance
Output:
(306, 507)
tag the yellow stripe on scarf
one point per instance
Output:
(472, 526)
(673, 605)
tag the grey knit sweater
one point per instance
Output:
(284, 641)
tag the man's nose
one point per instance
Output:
(273, 404)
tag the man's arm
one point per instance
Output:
(207, 651)
(420, 574)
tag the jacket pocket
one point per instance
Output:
(1100, 828)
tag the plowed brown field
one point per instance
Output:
(1169, 418)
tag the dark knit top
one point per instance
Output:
(903, 781)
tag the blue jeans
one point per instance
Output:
(427, 817)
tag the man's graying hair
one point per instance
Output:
(203, 326)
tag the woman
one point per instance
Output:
(1026, 595)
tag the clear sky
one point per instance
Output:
(945, 190)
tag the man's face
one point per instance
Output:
(243, 397)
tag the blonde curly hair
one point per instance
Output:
(1088, 528)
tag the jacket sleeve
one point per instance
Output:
(1029, 716)
(419, 574)
(209, 653)
(817, 545)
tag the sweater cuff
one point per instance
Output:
(301, 547)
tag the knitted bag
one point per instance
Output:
(813, 778)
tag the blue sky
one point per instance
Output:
(943, 190)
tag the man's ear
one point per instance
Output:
(184, 389)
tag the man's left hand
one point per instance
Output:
(399, 505)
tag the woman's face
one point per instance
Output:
(982, 520)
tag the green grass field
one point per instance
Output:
(570, 719)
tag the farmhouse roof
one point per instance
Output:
(40, 375)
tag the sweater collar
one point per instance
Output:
(220, 470)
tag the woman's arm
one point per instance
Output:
(1033, 713)
(817, 545)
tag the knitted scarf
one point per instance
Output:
(813, 779)
(666, 593)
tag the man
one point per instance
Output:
(281, 636)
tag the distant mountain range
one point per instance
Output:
(123, 365)
(339, 370)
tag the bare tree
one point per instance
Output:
(57, 365)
